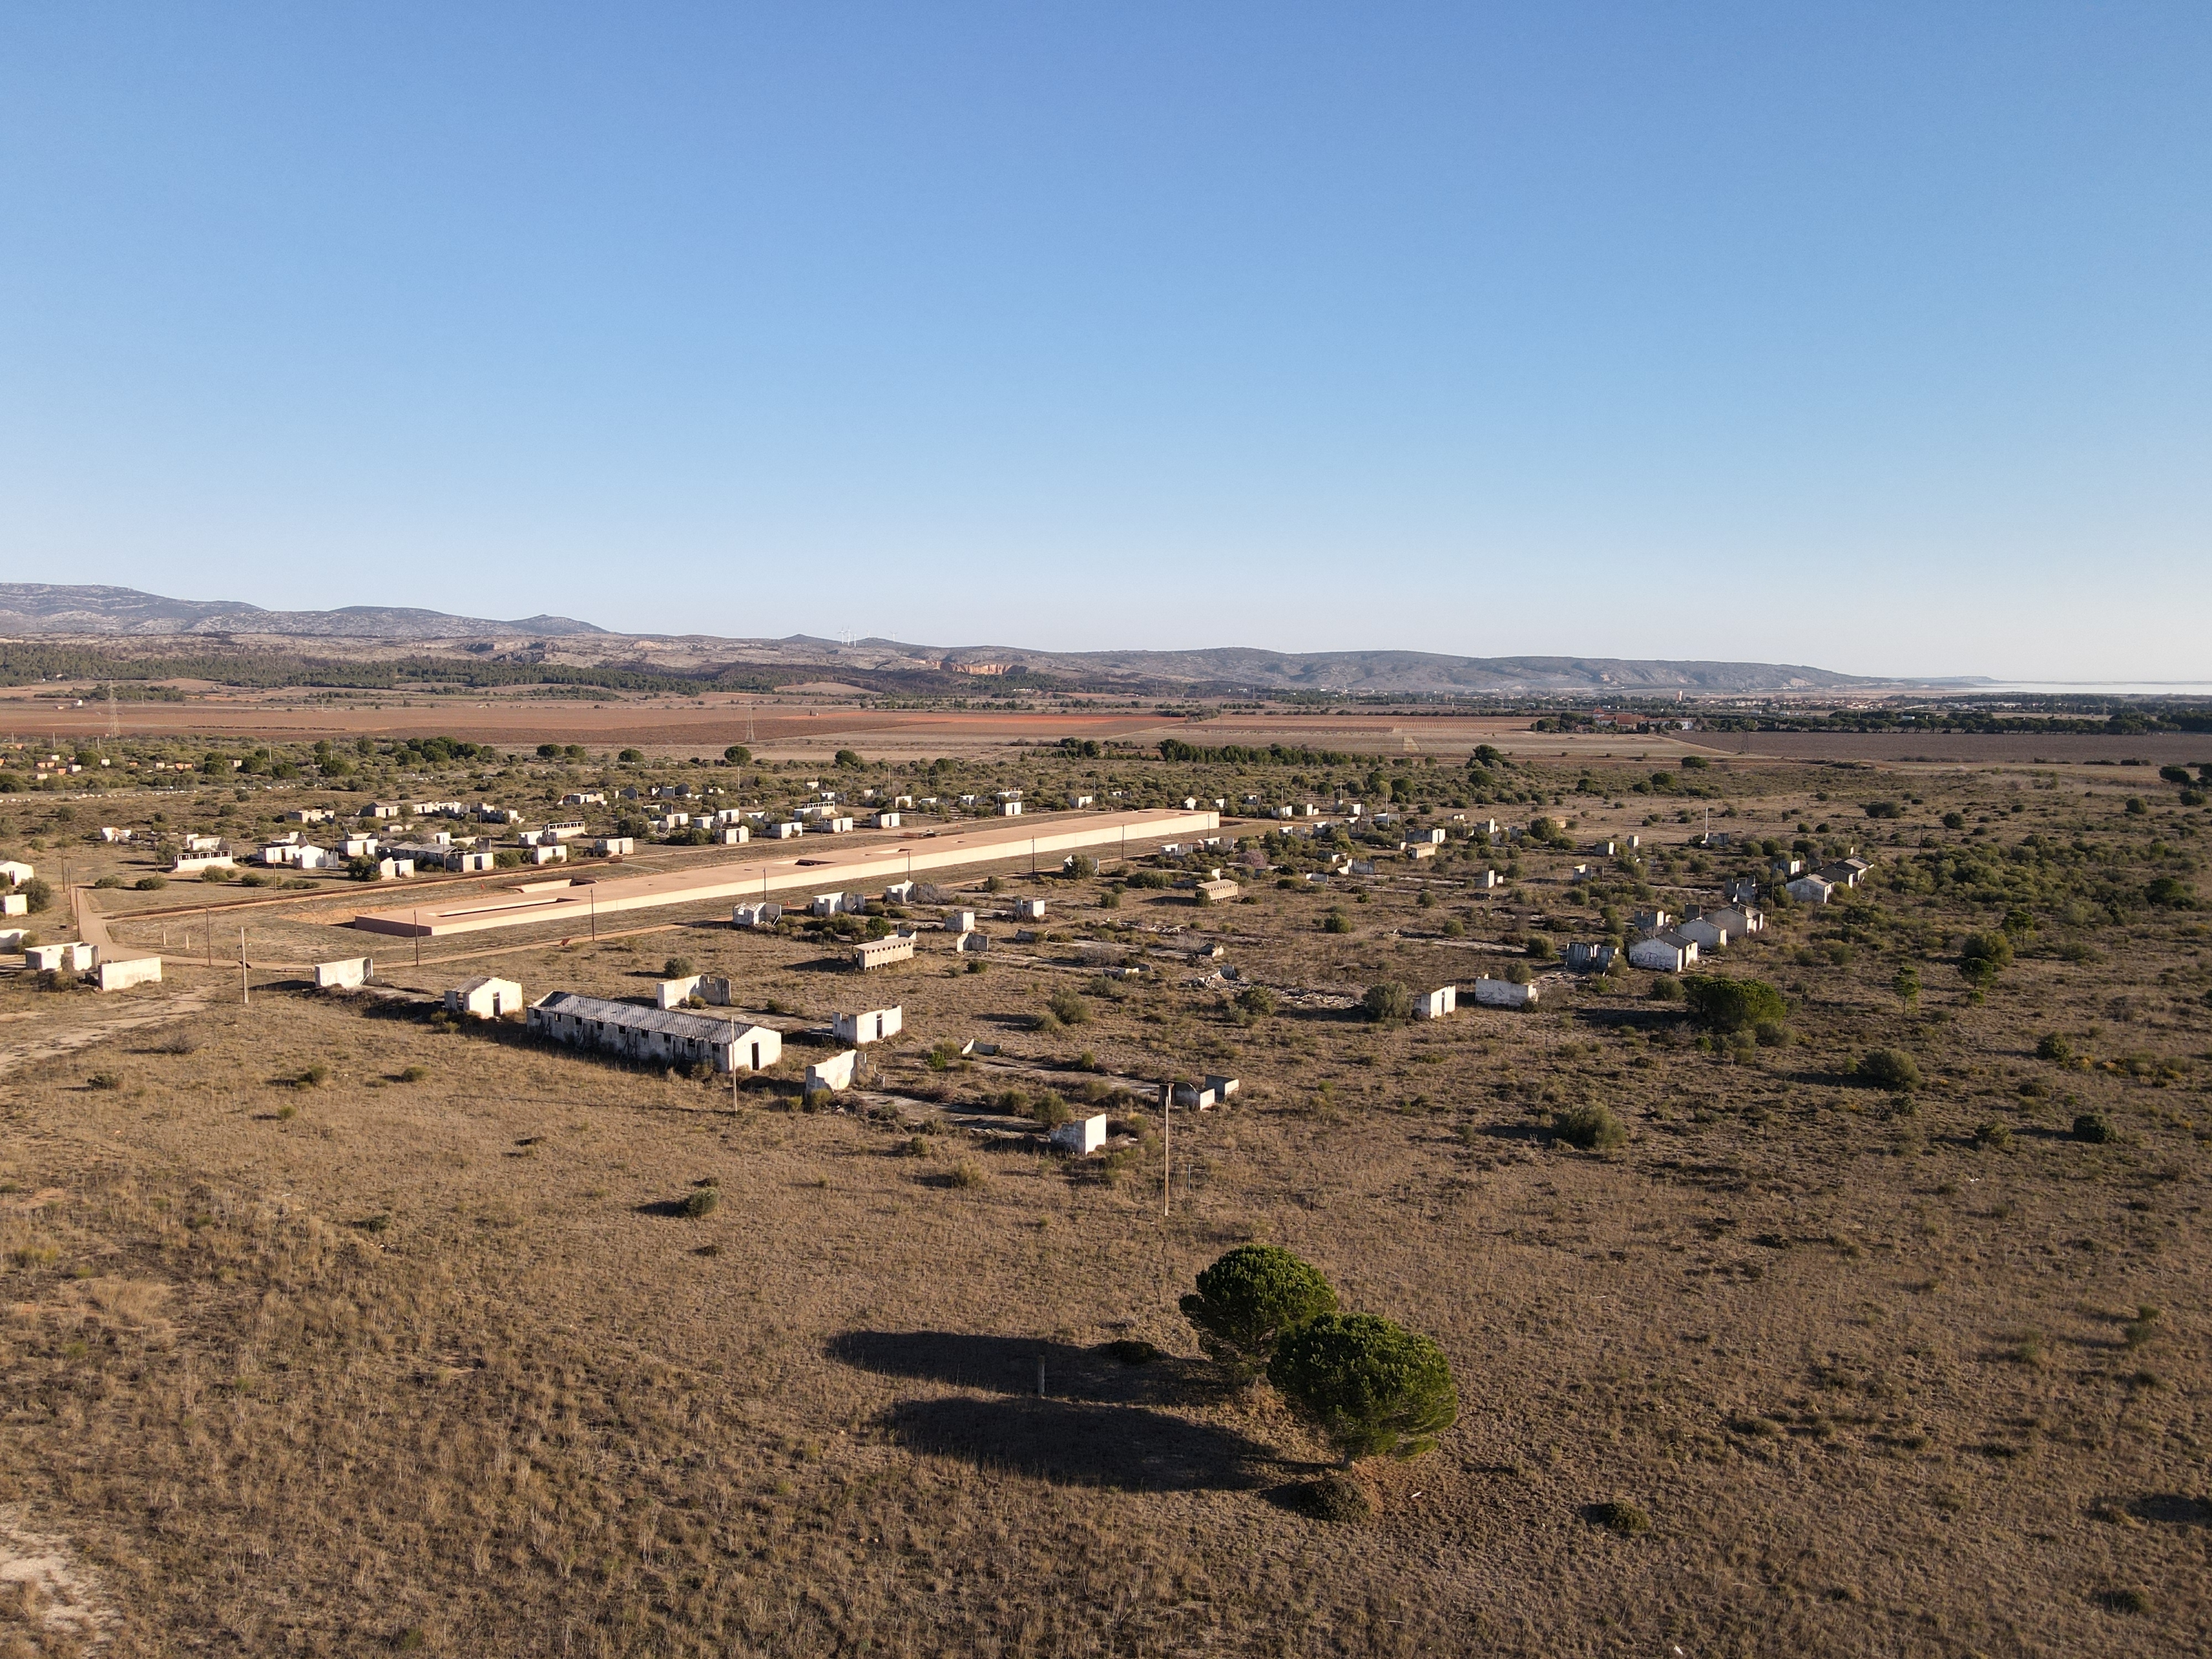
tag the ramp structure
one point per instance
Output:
(575, 905)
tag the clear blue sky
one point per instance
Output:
(1875, 337)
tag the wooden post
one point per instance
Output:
(245, 991)
(207, 921)
(1167, 1140)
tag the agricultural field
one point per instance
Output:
(1865, 1317)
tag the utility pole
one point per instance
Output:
(1167, 1140)
(591, 898)
(207, 921)
(245, 991)
(415, 918)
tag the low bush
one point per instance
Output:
(1722, 1004)
(2051, 1046)
(104, 1080)
(2095, 1128)
(1593, 1128)
(1336, 921)
(1069, 1007)
(1334, 1498)
(151, 884)
(1996, 1135)
(1665, 988)
(702, 1200)
(1388, 1002)
(1887, 1068)
(1620, 1516)
(675, 968)
(414, 1074)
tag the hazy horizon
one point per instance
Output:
(1872, 340)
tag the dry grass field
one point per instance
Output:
(334, 1328)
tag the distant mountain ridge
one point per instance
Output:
(49, 608)
(121, 615)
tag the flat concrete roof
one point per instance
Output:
(819, 864)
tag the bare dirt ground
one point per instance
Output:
(333, 1329)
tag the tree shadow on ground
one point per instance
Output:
(2172, 1509)
(1073, 1443)
(1008, 1364)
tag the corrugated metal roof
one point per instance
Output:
(674, 1021)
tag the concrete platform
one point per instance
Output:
(814, 865)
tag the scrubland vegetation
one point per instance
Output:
(1843, 1296)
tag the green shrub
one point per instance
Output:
(1069, 1007)
(966, 1173)
(1995, 1134)
(1620, 1516)
(1722, 1004)
(1371, 1386)
(1985, 956)
(1333, 1498)
(2052, 1046)
(1050, 1110)
(1887, 1068)
(702, 1200)
(1387, 1001)
(104, 1080)
(109, 881)
(1249, 1298)
(1336, 921)
(1256, 1000)
(1593, 1128)
(2095, 1128)
(414, 1074)
(675, 968)
(315, 1076)
(38, 893)
(1665, 988)
(151, 884)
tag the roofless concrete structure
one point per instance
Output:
(895, 859)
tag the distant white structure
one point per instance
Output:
(1079, 802)
(585, 798)
(191, 863)
(972, 943)
(882, 952)
(1705, 933)
(885, 821)
(14, 873)
(1504, 994)
(108, 832)
(665, 1036)
(959, 922)
(1198, 1096)
(1582, 954)
(675, 992)
(1011, 809)
(1811, 890)
(766, 913)
(837, 904)
(14, 904)
(350, 975)
(1434, 837)
(1216, 892)
(615, 847)
(75, 957)
(833, 1075)
(548, 853)
(898, 892)
(11, 940)
(1486, 881)
(1663, 953)
(472, 864)
(132, 970)
(872, 1026)
(309, 815)
(1081, 1136)
(1651, 922)
(1435, 1005)
(485, 998)
(1222, 1087)
(784, 829)
(1028, 910)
